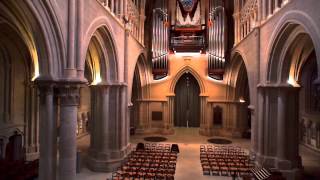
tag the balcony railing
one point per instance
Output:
(127, 9)
(253, 13)
(188, 43)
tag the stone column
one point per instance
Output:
(264, 9)
(260, 16)
(281, 125)
(31, 138)
(110, 130)
(254, 132)
(260, 122)
(69, 101)
(204, 124)
(276, 5)
(292, 126)
(237, 27)
(270, 10)
(169, 117)
(48, 133)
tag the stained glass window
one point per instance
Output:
(188, 4)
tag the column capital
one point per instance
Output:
(69, 94)
(45, 87)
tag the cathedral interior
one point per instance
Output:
(159, 89)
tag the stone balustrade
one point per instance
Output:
(128, 11)
(251, 13)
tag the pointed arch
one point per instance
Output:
(181, 72)
(238, 79)
(142, 71)
(101, 57)
(294, 27)
(38, 28)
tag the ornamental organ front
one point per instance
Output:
(197, 26)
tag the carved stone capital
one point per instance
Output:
(45, 89)
(69, 95)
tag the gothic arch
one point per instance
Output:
(142, 72)
(105, 61)
(39, 32)
(181, 72)
(293, 27)
(237, 77)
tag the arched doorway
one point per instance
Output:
(187, 102)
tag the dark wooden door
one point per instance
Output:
(187, 102)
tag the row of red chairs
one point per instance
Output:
(143, 174)
(153, 147)
(225, 161)
(149, 161)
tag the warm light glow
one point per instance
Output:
(94, 64)
(292, 81)
(215, 80)
(187, 54)
(97, 80)
(242, 100)
(160, 80)
(35, 61)
(96, 73)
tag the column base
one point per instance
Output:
(106, 162)
(103, 165)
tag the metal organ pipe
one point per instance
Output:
(160, 41)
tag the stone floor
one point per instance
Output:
(188, 164)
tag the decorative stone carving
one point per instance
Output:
(69, 95)
(248, 10)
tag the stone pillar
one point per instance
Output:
(169, 115)
(260, 16)
(260, 122)
(237, 28)
(270, 10)
(276, 5)
(48, 134)
(110, 130)
(292, 126)
(264, 9)
(204, 124)
(254, 132)
(281, 126)
(31, 138)
(279, 148)
(69, 101)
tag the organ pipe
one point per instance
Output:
(217, 40)
(160, 46)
